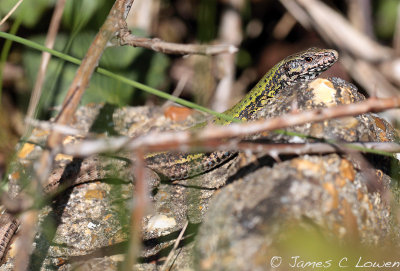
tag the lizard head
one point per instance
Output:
(306, 65)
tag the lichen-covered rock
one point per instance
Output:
(322, 93)
(342, 198)
(255, 207)
(325, 194)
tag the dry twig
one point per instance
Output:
(49, 43)
(11, 12)
(337, 30)
(229, 32)
(176, 244)
(185, 140)
(159, 45)
(137, 214)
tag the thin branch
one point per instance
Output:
(317, 148)
(166, 141)
(297, 12)
(145, 15)
(230, 31)
(360, 13)
(50, 126)
(165, 266)
(178, 89)
(299, 118)
(336, 29)
(27, 233)
(49, 43)
(284, 26)
(114, 22)
(369, 77)
(185, 140)
(137, 214)
(11, 12)
(159, 45)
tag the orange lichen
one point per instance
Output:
(15, 175)
(95, 194)
(107, 217)
(177, 113)
(60, 157)
(347, 170)
(379, 123)
(302, 164)
(26, 150)
(40, 132)
(331, 189)
(360, 195)
(383, 137)
(349, 221)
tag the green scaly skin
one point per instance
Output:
(300, 67)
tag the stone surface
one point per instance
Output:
(343, 198)
(240, 214)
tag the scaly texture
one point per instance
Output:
(300, 67)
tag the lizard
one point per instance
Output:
(299, 67)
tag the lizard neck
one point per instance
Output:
(254, 100)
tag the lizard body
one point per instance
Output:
(302, 66)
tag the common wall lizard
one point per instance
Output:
(302, 66)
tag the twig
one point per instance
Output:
(159, 45)
(49, 43)
(359, 13)
(11, 12)
(49, 126)
(167, 141)
(335, 29)
(113, 23)
(284, 26)
(185, 140)
(369, 77)
(145, 15)
(299, 118)
(230, 32)
(27, 233)
(176, 244)
(110, 27)
(178, 89)
(138, 211)
(301, 16)
(317, 148)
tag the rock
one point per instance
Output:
(258, 210)
(258, 222)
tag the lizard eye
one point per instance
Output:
(308, 59)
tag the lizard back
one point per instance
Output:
(299, 67)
